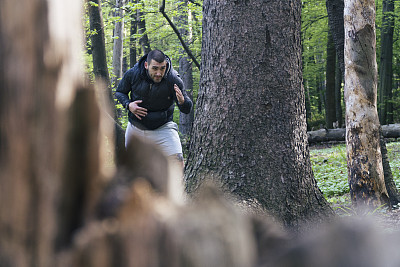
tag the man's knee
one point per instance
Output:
(178, 157)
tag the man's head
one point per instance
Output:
(156, 65)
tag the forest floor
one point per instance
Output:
(329, 165)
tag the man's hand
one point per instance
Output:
(136, 110)
(179, 95)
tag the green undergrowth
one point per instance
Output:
(330, 170)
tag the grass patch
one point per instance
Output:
(330, 170)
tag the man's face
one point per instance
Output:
(156, 70)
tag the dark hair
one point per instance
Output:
(157, 55)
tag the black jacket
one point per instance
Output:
(158, 98)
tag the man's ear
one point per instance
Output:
(145, 65)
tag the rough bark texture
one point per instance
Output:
(250, 127)
(386, 62)
(330, 106)
(364, 159)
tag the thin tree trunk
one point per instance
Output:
(386, 62)
(320, 92)
(99, 54)
(364, 158)
(338, 96)
(185, 70)
(141, 24)
(335, 14)
(132, 39)
(336, 25)
(330, 107)
(100, 67)
(118, 42)
(308, 104)
(251, 83)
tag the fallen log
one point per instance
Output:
(339, 134)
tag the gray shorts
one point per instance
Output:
(166, 137)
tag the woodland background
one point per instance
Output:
(144, 26)
(63, 204)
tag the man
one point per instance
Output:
(148, 91)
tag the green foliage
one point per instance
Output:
(314, 32)
(394, 160)
(330, 171)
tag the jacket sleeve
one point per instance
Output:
(124, 87)
(187, 104)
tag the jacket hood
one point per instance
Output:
(143, 70)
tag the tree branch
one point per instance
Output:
(162, 10)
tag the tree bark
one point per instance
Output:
(100, 67)
(99, 54)
(132, 39)
(364, 158)
(338, 96)
(185, 70)
(118, 42)
(141, 24)
(250, 84)
(41, 58)
(27, 113)
(330, 106)
(386, 62)
(336, 25)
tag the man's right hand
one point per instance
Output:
(136, 110)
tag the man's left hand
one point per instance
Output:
(179, 94)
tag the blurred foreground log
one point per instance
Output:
(338, 135)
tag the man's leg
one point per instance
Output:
(179, 159)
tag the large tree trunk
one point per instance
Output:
(330, 106)
(27, 113)
(364, 159)
(250, 126)
(386, 70)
